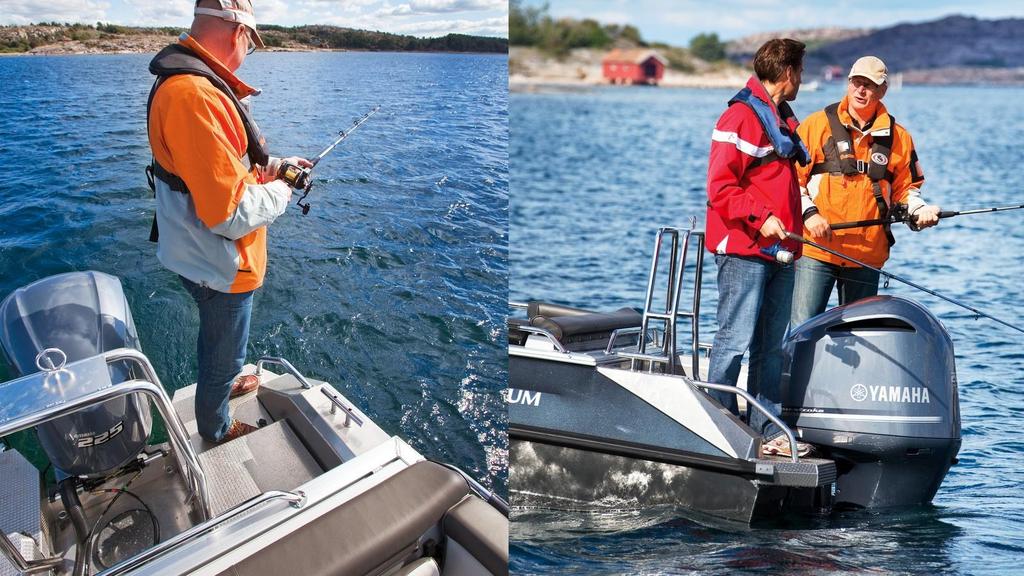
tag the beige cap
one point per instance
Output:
(871, 68)
(236, 11)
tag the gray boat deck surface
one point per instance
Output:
(271, 458)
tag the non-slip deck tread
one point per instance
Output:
(271, 458)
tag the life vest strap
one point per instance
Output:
(841, 161)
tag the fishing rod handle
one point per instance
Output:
(857, 224)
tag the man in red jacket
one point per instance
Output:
(753, 199)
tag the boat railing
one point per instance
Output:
(284, 364)
(39, 398)
(29, 401)
(679, 248)
(297, 499)
(542, 332)
(753, 403)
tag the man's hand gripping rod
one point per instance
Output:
(301, 178)
(977, 312)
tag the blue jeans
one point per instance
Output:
(223, 336)
(814, 282)
(754, 297)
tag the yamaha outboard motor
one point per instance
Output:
(873, 385)
(82, 314)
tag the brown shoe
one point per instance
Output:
(244, 384)
(237, 430)
(779, 446)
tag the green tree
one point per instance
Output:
(525, 23)
(707, 47)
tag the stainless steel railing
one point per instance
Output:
(284, 364)
(752, 402)
(297, 499)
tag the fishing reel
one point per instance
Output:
(298, 178)
(900, 213)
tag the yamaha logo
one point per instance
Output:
(859, 392)
(901, 394)
(879, 158)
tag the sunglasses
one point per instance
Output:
(248, 38)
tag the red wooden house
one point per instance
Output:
(637, 66)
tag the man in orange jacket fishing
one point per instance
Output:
(217, 188)
(863, 166)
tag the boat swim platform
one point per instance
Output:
(270, 458)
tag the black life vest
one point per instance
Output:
(841, 161)
(177, 59)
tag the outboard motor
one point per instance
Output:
(873, 385)
(82, 314)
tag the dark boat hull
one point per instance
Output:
(550, 476)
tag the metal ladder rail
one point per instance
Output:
(677, 269)
(669, 315)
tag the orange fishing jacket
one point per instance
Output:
(215, 232)
(842, 198)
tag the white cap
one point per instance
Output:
(871, 68)
(236, 11)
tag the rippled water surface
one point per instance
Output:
(594, 174)
(392, 288)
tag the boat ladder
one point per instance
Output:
(666, 355)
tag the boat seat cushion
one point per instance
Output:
(482, 531)
(588, 330)
(378, 527)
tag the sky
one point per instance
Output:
(415, 17)
(677, 21)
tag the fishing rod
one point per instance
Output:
(903, 216)
(977, 312)
(301, 178)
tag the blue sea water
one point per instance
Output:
(595, 173)
(393, 287)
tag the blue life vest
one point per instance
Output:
(786, 142)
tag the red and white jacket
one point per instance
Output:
(743, 189)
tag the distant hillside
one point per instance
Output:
(743, 49)
(954, 41)
(57, 38)
(954, 49)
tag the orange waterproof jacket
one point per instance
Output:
(841, 198)
(216, 234)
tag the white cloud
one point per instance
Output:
(163, 13)
(443, 6)
(486, 27)
(29, 11)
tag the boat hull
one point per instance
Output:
(550, 476)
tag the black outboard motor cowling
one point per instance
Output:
(873, 385)
(83, 314)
